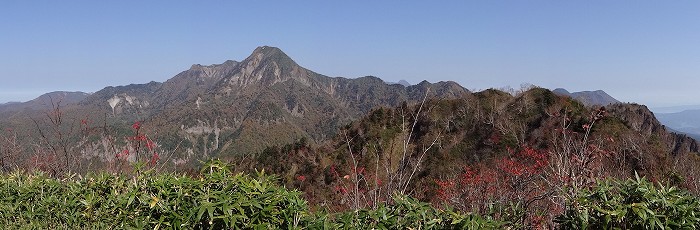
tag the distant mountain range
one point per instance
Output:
(401, 82)
(687, 121)
(45, 101)
(589, 98)
(675, 109)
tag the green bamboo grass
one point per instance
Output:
(216, 199)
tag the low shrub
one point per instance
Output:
(217, 199)
(632, 204)
(408, 213)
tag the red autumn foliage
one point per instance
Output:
(154, 159)
(479, 187)
(123, 154)
(150, 145)
(136, 125)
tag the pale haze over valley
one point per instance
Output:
(636, 51)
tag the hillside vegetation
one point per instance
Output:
(214, 199)
(490, 152)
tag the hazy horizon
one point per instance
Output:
(642, 52)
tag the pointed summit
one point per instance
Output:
(267, 50)
(266, 65)
(266, 54)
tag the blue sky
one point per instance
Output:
(638, 51)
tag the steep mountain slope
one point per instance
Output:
(589, 98)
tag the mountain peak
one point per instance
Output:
(264, 55)
(561, 91)
(269, 52)
(267, 49)
(267, 65)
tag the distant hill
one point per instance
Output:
(686, 121)
(675, 109)
(9, 103)
(589, 98)
(46, 101)
(401, 82)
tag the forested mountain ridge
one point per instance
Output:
(488, 147)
